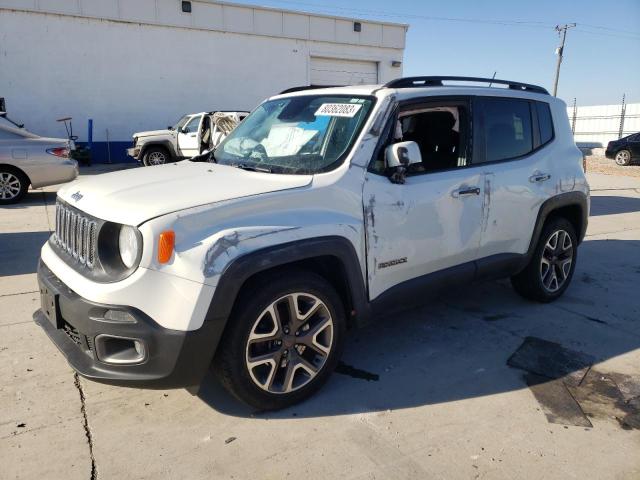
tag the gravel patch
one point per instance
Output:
(601, 164)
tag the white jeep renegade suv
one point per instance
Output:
(324, 208)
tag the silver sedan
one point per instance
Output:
(28, 159)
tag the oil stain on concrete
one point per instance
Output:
(570, 391)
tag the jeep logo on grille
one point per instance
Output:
(76, 196)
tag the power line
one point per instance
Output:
(606, 34)
(608, 28)
(386, 13)
(331, 9)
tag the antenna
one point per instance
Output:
(493, 77)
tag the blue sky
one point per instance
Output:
(602, 54)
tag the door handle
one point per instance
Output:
(465, 191)
(539, 177)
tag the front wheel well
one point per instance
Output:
(146, 148)
(329, 267)
(8, 167)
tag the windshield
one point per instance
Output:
(296, 135)
(181, 122)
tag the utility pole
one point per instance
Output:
(622, 112)
(562, 30)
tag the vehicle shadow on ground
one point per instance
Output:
(457, 347)
(19, 252)
(612, 205)
(33, 198)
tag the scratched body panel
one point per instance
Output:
(513, 197)
(419, 227)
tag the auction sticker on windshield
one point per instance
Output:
(338, 110)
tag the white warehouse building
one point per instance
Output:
(133, 65)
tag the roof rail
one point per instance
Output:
(411, 82)
(305, 87)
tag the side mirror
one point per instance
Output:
(184, 129)
(398, 158)
(170, 127)
(402, 154)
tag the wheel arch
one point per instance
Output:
(334, 258)
(10, 166)
(166, 144)
(574, 206)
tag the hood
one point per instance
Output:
(153, 133)
(136, 195)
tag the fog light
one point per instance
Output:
(119, 316)
(118, 350)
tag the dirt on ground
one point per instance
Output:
(602, 164)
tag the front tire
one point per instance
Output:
(13, 185)
(283, 340)
(156, 156)
(551, 267)
(623, 158)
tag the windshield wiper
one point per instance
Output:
(252, 168)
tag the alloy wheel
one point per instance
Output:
(156, 158)
(289, 343)
(555, 264)
(622, 157)
(10, 186)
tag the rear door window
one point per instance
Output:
(505, 129)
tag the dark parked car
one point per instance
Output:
(624, 150)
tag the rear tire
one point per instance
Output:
(623, 158)
(14, 185)
(156, 156)
(271, 358)
(551, 267)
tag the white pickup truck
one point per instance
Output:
(194, 134)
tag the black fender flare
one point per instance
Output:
(159, 143)
(567, 199)
(239, 270)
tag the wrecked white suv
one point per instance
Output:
(323, 209)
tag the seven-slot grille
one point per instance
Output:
(76, 234)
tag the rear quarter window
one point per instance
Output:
(545, 122)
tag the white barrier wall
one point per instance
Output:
(597, 125)
(144, 63)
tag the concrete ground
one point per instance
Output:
(430, 394)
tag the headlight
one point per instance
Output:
(129, 246)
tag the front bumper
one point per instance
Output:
(171, 358)
(610, 154)
(134, 152)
